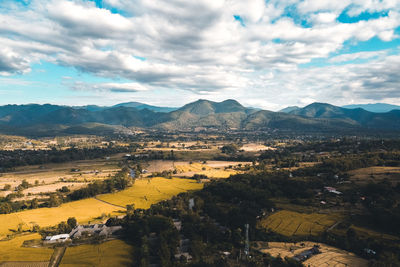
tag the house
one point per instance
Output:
(185, 256)
(332, 190)
(57, 238)
(177, 224)
(369, 251)
(93, 230)
(306, 254)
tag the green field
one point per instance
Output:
(290, 223)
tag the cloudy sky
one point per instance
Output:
(263, 53)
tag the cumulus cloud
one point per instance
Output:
(112, 87)
(200, 47)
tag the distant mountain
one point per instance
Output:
(388, 121)
(289, 109)
(48, 119)
(377, 107)
(141, 106)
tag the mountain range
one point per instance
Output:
(377, 107)
(49, 119)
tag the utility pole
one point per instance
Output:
(247, 246)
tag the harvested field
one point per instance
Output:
(50, 174)
(159, 166)
(291, 223)
(11, 251)
(375, 174)
(146, 192)
(254, 147)
(107, 254)
(329, 256)
(212, 169)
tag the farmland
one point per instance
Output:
(49, 177)
(146, 192)
(143, 194)
(290, 223)
(11, 250)
(375, 174)
(83, 210)
(212, 169)
(329, 256)
(110, 253)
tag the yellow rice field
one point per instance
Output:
(107, 254)
(11, 250)
(146, 192)
(83, 210)
(143, 194)
(291, 223)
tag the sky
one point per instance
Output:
(264, 53)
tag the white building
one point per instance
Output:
(57, 238)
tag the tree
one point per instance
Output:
(7, 187)
(229, 149)
(54, 201)
(34, 203)
(5, 208)
(72, 222)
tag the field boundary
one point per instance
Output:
(115, 205)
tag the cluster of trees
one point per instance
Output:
(154, 236)
(382, 200)
(156, 239)
(12, 159)
(119, 181)
(346, 145)
(62, 228)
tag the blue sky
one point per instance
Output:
(267, 54)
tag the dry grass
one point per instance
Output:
(83, 210)
(212, 169)
(11, 250)
(375, 174)
(329, 256)
(146, 192)
(194, 167)
(291, 223)
(254, 147)
(107, 254)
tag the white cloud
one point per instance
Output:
(359, 55)
(112, 87)
(197, 46)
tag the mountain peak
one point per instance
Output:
(205, 107)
